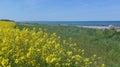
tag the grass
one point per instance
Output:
(104, 43)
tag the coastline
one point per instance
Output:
(110, 27)
(95, 27)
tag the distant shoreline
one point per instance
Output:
(110, 27)
(103, 27)
(95, 27)
(77, 23)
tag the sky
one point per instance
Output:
(60, 10)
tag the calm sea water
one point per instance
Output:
(78, 23)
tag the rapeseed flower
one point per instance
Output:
(26, 48)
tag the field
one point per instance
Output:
(104, 43)
(36, 45)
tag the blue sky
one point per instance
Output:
(60, 10)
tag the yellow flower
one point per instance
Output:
(16, 61)
(103, 65)
(86, 60)
(35, 48)
(5, 62)
(69, 53)
(83, 51)
(94, 55)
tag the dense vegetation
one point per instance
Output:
(36, 45)
(31, 48)
(104, 43)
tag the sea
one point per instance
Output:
(77, 23)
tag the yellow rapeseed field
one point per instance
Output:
(28, 48)
(6, 24)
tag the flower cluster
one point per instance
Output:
(28, 48)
